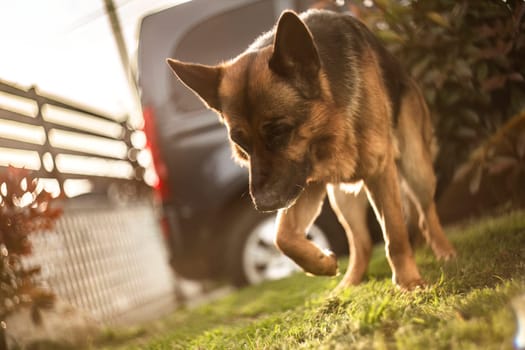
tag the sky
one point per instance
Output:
(66, 48)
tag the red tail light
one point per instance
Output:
(162, 184)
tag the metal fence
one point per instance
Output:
(106, 253)
(109, 260)
(65, 143)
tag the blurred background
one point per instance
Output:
(70, 114)
(130, 204)
(68, 49)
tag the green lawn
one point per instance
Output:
(466, 306)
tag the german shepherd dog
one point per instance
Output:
(317, 105)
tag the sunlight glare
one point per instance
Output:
(17, 104)
(150, 177)
(47, 160)
(144, 158)
(26, 199)
(138, 139)
(77, 187)
(81, 121)
(89, 144)
(22, 132)
(51, 186)
(19, 158)
(93, 166)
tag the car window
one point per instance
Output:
(217, 39)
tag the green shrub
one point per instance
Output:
(467, 56)
(492, 178)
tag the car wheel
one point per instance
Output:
(252, 254)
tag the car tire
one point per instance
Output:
(251, 254)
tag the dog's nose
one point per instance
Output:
(265, 200)
(272, 190)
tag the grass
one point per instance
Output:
(466, 306)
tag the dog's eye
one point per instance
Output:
(277, 135)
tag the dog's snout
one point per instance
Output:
(264, 197)
(274, 187)
(264, 194)
(259, 179)
(262, 204)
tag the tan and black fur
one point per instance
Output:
(318, 106)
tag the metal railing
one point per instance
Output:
(106, 254)
(62, 141)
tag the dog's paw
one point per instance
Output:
(325, 264)
(412, 285)
(328, 263)
(445, 254)
(346, 283)
(332, 268)
(353, 277)
(408, 279)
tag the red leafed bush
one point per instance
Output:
(25, 208)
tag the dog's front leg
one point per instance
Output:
(292, 225)
(351, 210)
(384, 195)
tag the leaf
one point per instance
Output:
(475, 181)
(462, 171)
(499, 164)
(485, 31)
(470, 117)
(493, 83)
(471, 52)
(32, 184)
(430, 95)
(457, 14)
(390, 36)
(482, 71)
(419, 67)
(438, 19)
(433, 77)
(451, 96)
(462, 69)
(42, 299)
(517, 100)
(465, 132)
(43, 197)
(383, 4)
(488, 53)
(520, 144)
(516, 76)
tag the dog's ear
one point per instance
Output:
(203, 80)
(295, 55)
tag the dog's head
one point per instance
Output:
(273, 101)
